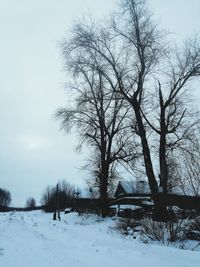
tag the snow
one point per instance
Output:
(136, 197)
(33, 239)
(123, 207)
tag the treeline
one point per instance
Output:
(59, 197)
(7, 208)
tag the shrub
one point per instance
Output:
(163, 231)
(176, 229)
(193, 229)
(194, 225)
(127, 226)
(153, 230)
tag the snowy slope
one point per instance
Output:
(32, 239)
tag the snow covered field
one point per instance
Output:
(32, 239)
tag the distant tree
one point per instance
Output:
(5, 197)
(30, 203)
(51, 196)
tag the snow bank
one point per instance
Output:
(33, 239)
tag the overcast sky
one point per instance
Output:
(33, 152)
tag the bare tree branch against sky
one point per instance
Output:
(33, 151)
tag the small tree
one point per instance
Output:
(30, 203)
(5, 197)
(64, 195)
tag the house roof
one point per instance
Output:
(128, 186)
(132, 187)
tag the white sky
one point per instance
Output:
(33, 153)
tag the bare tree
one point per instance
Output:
(126, 58)
(187, 172)
(130, 55)
(30, 203)
(51, 197)
(101, 119)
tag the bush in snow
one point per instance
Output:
(127, 226)
(193, 229)
(163, 231)
(195, 224)
(176, 229)
(153, 229)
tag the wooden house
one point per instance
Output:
(132, 198)
(132, 189)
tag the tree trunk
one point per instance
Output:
(160, 211)
(104, 189)
(163, 163)
(162, 150)
(146, 152)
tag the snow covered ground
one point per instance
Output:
(32, 239)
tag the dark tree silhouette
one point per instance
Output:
(30, 203)
(5, 197)
(51, 196)
(102, 120)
